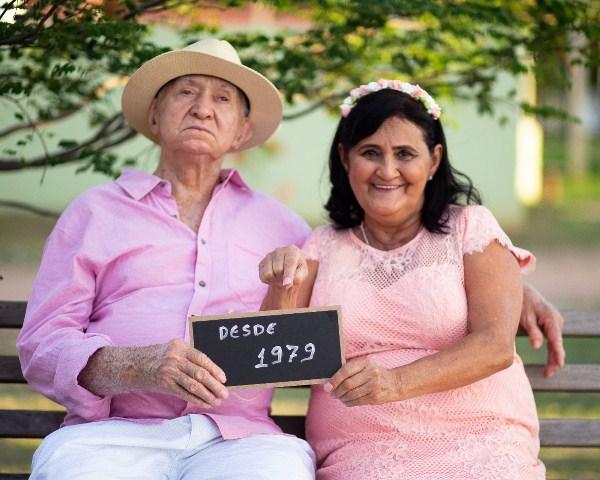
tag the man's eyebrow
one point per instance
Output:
(228, 86)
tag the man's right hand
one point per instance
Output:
(174, 367)
(180, 369)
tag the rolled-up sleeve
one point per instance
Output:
(53, 345)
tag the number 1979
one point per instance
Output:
(277, 353)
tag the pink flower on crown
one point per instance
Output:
(345, 110)
(435, 112)
(415, 91)
(419, 92)
(355, 93)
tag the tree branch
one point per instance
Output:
(21, 39)
(30, 122)
(7, 7)
(38, 123)
(114, 132)
(314, 106)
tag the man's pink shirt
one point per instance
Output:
(121, 269)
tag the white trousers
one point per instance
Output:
(185, 448)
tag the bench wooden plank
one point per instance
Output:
(553, 432)
(577, 323)
(570, 433)
(12, 314)
(581, 323)
(293, 424)
(10, 370)
(28, 423)
(571, 378)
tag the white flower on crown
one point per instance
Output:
(415, 91)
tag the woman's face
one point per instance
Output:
(388, 171)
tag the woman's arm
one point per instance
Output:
(494, 295)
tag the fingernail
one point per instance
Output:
(222, 377)
(328, 387)
(287, 281)
(537, 343)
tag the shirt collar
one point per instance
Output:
(138, 183)
(233, 175)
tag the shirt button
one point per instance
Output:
(202, 283)
(202, 241)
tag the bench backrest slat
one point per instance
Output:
(29, 423)
(571, 378)
(577, 323)
(570, 433)
(559, 432)
(12, 314)
(10, 370)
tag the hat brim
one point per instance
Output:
(266, 107)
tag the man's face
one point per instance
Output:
(200, 115)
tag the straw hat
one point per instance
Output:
(206, 57)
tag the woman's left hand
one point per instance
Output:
(362, 382)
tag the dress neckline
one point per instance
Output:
(358, 241)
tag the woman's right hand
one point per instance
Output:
(284, 268)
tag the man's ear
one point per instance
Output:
(244, 133)
(343, 157)
(153, 117)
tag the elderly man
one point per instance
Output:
(106, 331)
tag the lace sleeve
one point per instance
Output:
(313, 246)
(481, 228)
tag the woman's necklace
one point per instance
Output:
(390, 246)
(364, 234)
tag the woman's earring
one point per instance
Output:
(430, 178)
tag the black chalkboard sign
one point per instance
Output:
(272, 348)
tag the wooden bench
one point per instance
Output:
(564, 432)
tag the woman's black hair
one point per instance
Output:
(448, 186)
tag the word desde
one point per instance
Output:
(256, 330)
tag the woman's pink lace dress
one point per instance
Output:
(399, 306)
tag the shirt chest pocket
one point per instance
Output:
(243, 276)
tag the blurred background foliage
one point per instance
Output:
(60, 57)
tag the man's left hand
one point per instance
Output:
(540, 319)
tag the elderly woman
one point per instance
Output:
(106, 331)
(430, 289)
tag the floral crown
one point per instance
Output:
(414, 91)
